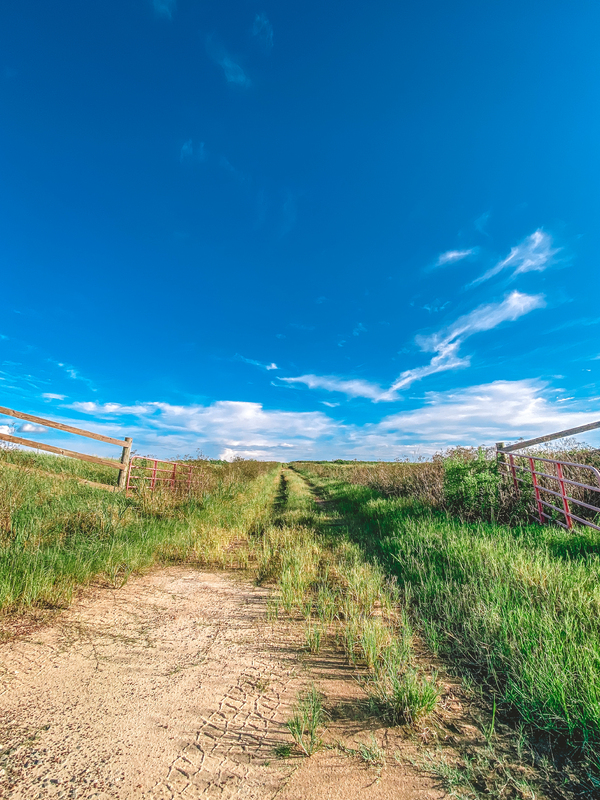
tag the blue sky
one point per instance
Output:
(300, 229)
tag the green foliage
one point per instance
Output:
(306, 721)
(403, 695)
(517, 606)
(472, 485)
(314, 636)
(56, 533)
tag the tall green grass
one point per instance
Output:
(57, 534)
(323, 578)
(59, 465)
(518, 605)
(471, 484)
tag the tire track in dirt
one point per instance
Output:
(173, 686)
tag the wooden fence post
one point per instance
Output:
(500, 457)
(126, 455)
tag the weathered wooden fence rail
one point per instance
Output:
(125, 444)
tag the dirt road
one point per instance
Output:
(176, 686)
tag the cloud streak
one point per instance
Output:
(231, 69)
(352, 387)
(451, 256)
(227, 428)
(268, 367)
(501, 410)
(533, 254)
(481, 414)
(444, 344)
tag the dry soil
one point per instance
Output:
(177, 686)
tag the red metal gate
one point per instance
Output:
(554, 480)
(151, 473)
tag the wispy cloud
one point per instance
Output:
(300, 327)
(360, 328)
(108, 409)
(352, 387)
(262, 30)
(233, 72)
(451, 256)
(445, 345)
(52, 396)
(481, 223)
(231, 69)
(72, 373)
(535, 253)
(165, 8)
(270, 366)
(187, 151)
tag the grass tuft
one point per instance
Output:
(306, 721)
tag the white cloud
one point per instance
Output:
(188, 152)
(27, 427)
(535, 253)
(52, 396)
(6, 429)
(450, 256)
(233, 72)
(445, 344)
(360, 328)
(498, 411)
(101, 409)
(165, 8)
(352, 387)
(263, 31)
(481, 222)
(235, 428)
(268, 367)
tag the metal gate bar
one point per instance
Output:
(530, 471)
(143, 471)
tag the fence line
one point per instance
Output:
(500, 446)
(528, 477)
(125, 444)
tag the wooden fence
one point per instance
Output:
(125, 444)
(549, 437)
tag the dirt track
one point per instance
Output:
(174, 686)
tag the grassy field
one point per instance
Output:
(57, 534)
(516, 606)
(366, 557)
